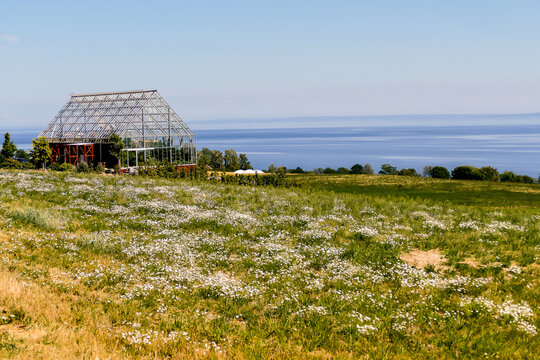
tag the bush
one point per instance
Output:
(466, 172)
(100, 169)
(9, 163)
(357, 169)
(509, 176)
(27, 165)
(83, 168)
(408, 172)
(343, 170)
(61, 167)
(387, 169)
(329, 170)
(489, 174)
(439, 172)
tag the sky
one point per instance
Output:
(260, 60)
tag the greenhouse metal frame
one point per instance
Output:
(148, 126)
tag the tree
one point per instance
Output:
(357, 169)
(272, 168)
(508, 176)
(408, 172)
(426, 172)
(489, 173)
(21, 154)
(298, 170)
(244, 163)
(318, 171)
(116, 146)
(204, 158)
(367, 169)
(217, 160)
(387, 169)
(281, 170)
(231, 160)
(439, 172)
(466, 172)
(343, 170)
(8, 147)
(329, 170)
(41, 151)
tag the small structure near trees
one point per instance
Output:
(90, 127)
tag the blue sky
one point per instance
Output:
(264, 59)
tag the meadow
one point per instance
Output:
(356, 266)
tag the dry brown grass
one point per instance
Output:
(48, 331)
(420, 259)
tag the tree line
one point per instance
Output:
(228, 160)
(464, 172)
(13, 158)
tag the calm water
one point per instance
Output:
(515, 148)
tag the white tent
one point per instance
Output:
(239, 172)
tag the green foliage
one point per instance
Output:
(357, 169)
(298, 170)
(83, 168)
(40, 218)
(509, 176)
(408, 172)
(116, 146)
(343, 170)
(204, 158)
(167, 170)
(387, 169)
(27, 165)
(9, 163)
(22, 154)
(217, 160)
(489, 173)
(231, 162)
(244, 162)
(367, 169)
(41, 152)
(99, 169)
(329, 170)
(8, 147)
(439, 172)
(61, 167)
(466, 172)
(272, 169)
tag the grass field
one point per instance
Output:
(343, 267)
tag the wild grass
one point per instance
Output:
(127, 267)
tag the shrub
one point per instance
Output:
(408, 172)
(329, 170)
(439, 172)
(27, 165)
(343, 170)
(83, 168)
(100, 169)
(387, 169)
(367, 169)
(9, 163)
(61, 167)
(466, 172)
(489, 173)
(357, 169)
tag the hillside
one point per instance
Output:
(348, 267)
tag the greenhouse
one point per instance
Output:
(148, 126)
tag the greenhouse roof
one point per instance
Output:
(141, 115)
